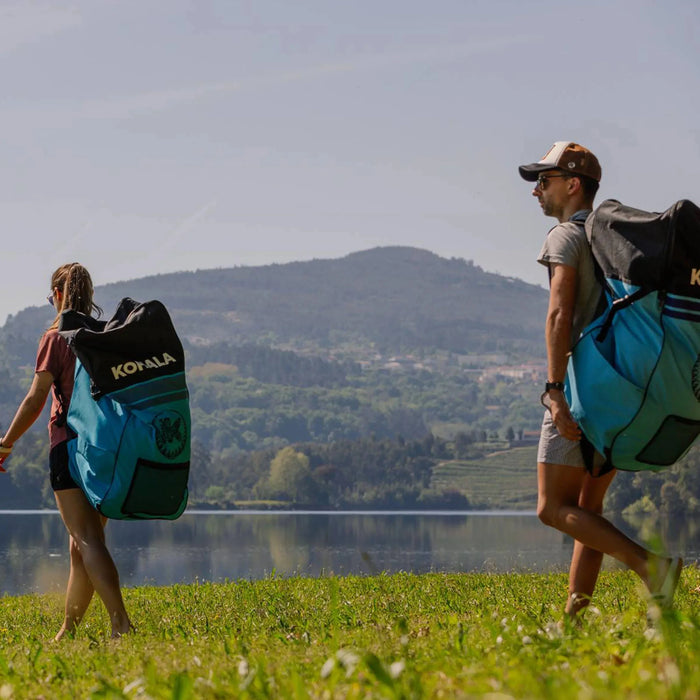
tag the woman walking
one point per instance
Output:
(91, 565)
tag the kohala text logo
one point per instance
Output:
(123, 370)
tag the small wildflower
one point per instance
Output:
(243, 667)
(671, 673)
(135, 685)
(527, 640)
(348, 660)
(651, 634)
(553, 630)
(328, 667)
(653, 614)
(397, 668)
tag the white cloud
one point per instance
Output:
(27, 22)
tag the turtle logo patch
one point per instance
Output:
(171, 436)
(696, 378)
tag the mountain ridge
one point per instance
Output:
(397, 297)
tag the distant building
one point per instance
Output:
(526, 439)
(533, 371)
(478, 361)
(401, 364)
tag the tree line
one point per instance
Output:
(364, 473)
(360, 430)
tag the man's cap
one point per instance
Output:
(567, 156)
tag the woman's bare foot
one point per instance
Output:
(63, 632)
(118, 634)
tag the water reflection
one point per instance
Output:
(252, 545)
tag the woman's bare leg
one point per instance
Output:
(78, 593)
(86, 528)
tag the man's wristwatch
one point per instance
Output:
(559, 386)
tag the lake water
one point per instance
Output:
(219, 546)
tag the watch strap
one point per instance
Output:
(559, 386)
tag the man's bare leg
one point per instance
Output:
(586, 562)
(559, 492)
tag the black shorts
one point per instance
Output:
(58, 466)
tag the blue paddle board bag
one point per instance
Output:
(129, 412)
(633, 381)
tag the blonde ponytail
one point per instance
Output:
(75, 284)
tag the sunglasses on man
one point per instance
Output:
(542, 180)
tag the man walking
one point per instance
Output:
(570, 498)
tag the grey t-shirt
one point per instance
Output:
(567, 244)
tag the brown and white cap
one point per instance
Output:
(567, 156)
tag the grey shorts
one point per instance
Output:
(555, 449)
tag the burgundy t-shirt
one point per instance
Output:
(56, 357)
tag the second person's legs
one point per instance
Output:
(78, 593)
(92, 567)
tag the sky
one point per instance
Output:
(142, 137)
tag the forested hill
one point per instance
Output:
(396, 298)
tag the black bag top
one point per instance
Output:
(648, 249)
(137, 344)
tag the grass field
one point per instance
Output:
(400, 636)
(505, 480)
